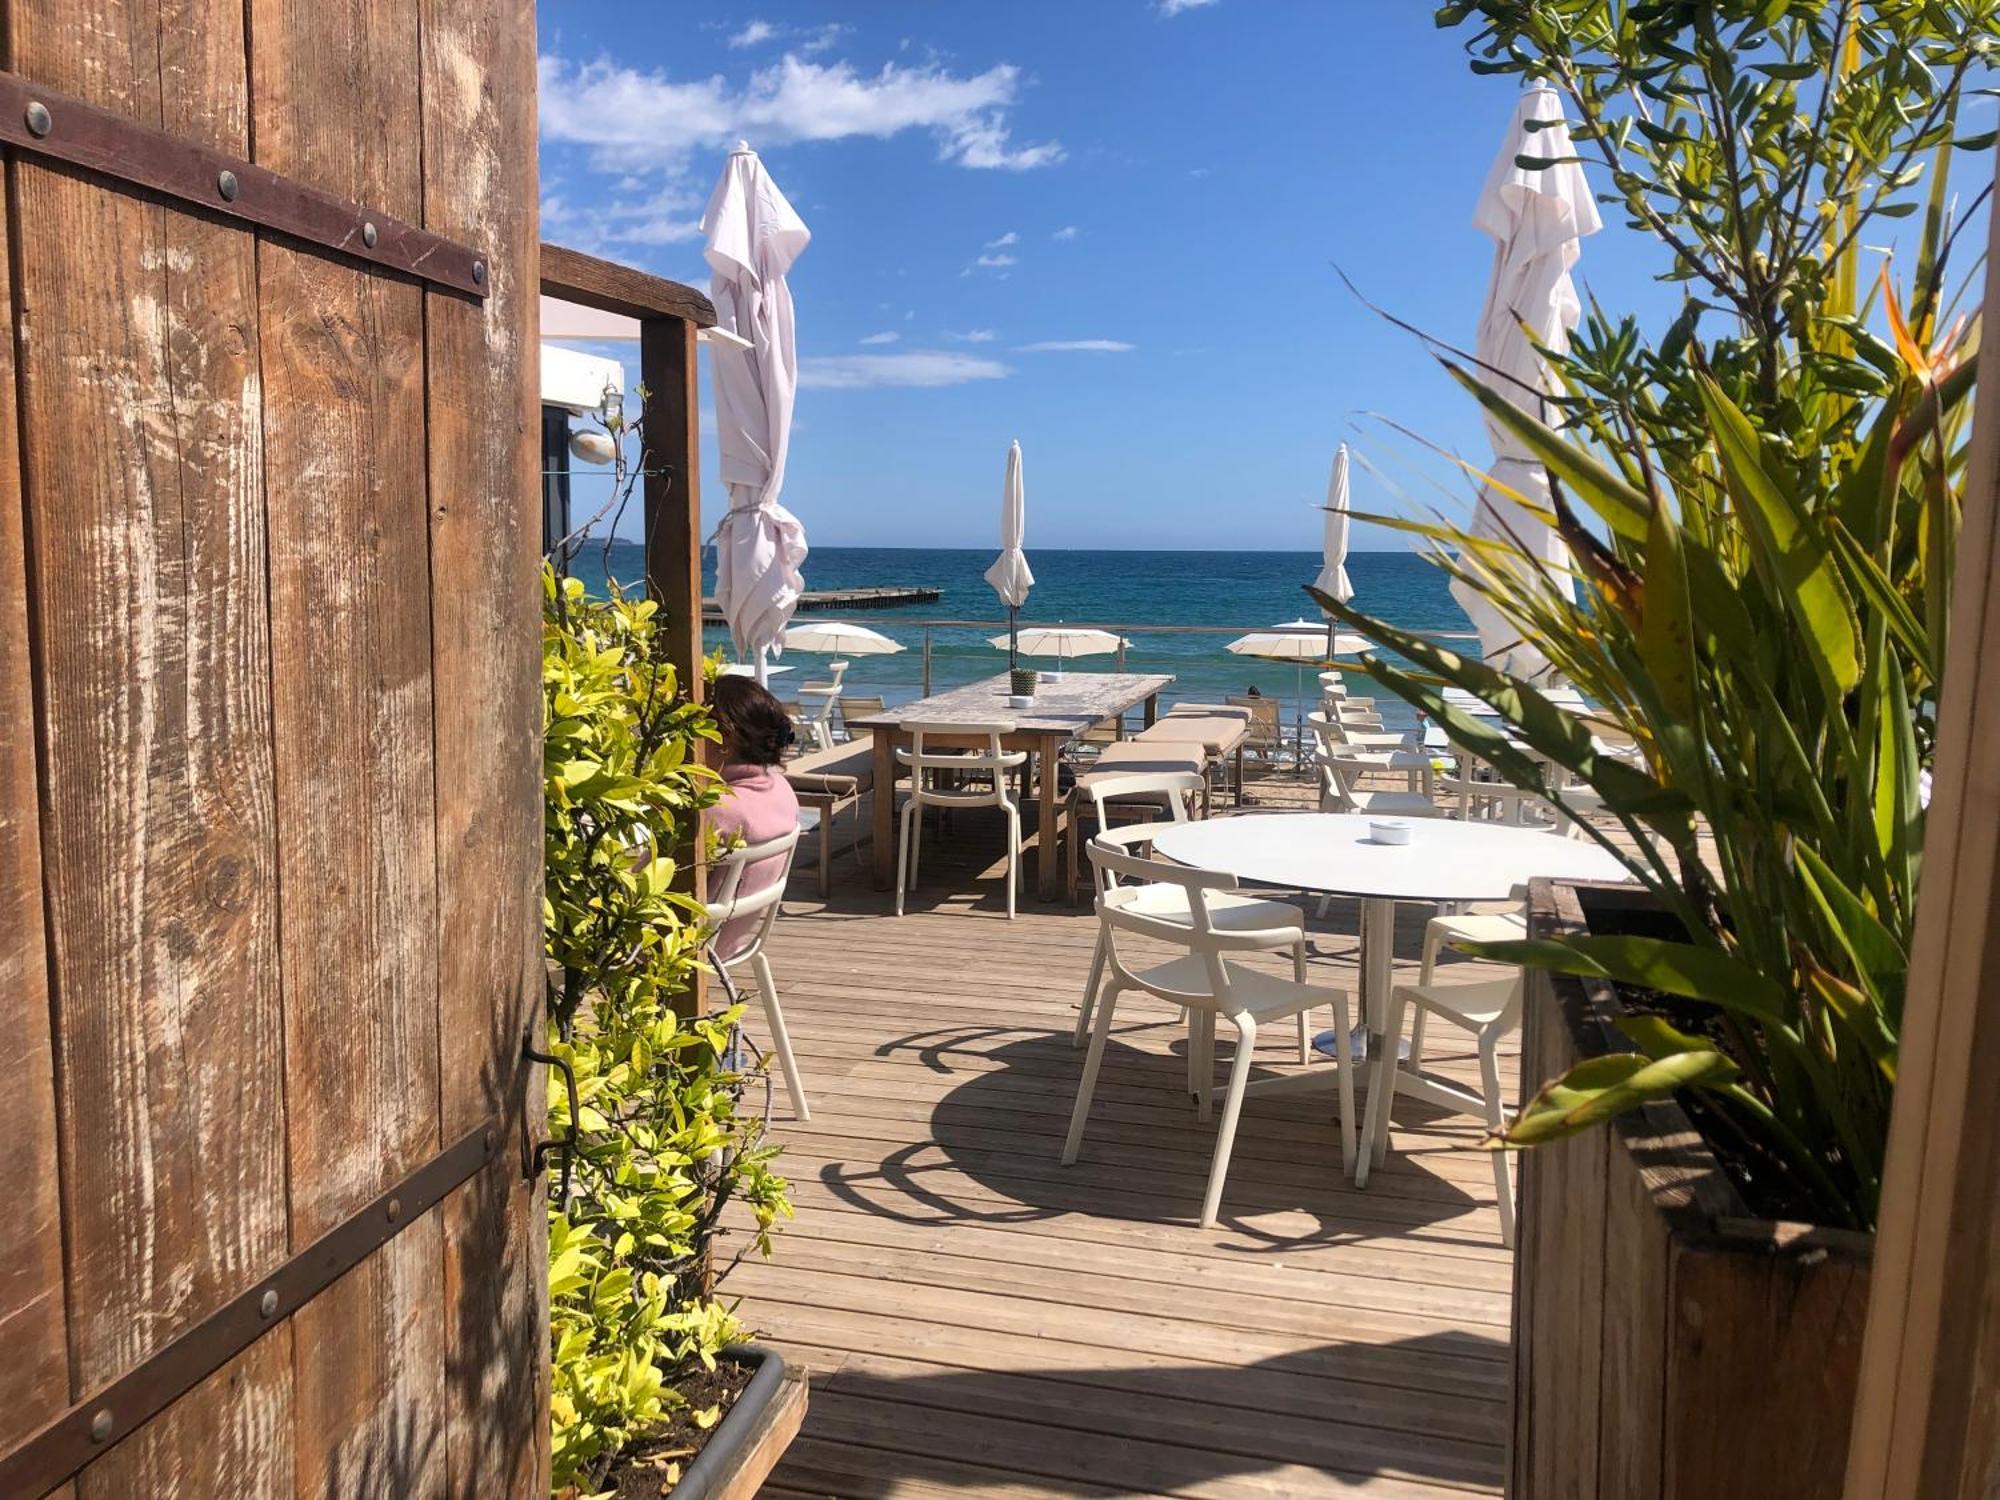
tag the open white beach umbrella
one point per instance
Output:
(1537, 219)
(1059, 641)
(1296, 641)
(839, 639)
(753, 237)
(1010, 575)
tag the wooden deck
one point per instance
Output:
(982, 1321)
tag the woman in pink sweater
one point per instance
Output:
(759, 803)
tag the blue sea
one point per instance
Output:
(1124, 590)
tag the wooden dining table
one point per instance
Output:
(1063, 709)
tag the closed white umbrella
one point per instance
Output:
(1061, 642)
(753, 237)
(1537, 218)
(1332, 578)
(1010, 575)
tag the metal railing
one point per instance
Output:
(928, 624)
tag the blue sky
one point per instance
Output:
(1107, 229)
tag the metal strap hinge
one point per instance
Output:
(87, 1430)
(62, 126)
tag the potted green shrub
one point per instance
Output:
(1762, 506)
(654, 1383)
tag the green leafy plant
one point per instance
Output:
(1762, 506)
(661, 1144)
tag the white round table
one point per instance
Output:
(1334, 853)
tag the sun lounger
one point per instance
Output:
(1220, 730)
(830, 780)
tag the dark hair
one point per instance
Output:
(755, 727)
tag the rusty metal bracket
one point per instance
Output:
(90, 1428)
(567, 1145)
(59, 125)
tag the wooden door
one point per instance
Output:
(270, 748)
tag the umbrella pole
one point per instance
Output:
(1013, 637)
(763, 666)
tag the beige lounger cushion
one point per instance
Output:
(1216, 734)
(1211, 711)
(840, 771)
(1131, 758)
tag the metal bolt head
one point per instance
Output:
(369, 235)
(488, 1137)
(227, 185)
(395, 1209)
(100, 1425)
(479, 272)
(40, 122)
(268, 1303)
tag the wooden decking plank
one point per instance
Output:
(1310, 1283)
(1254, 1388)
(1125, 1466)
(1178, 1409)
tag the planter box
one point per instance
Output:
(1668, 1344)
(742, 1451)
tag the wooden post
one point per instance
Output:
(1927, 1416)
(668, 366)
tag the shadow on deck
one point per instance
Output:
(984, 1321)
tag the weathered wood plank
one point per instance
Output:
(140, 418)
(34, 1379)
(776, 1426)
(1927, 1422)
(571, 276)
(335, 84)
(485, 460)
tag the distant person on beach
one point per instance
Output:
(759, 804)
(1252, 691)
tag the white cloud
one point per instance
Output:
(634, 121)
(882, 338)
(1175, 7)
(754, 35)
(1009, 238)
(856, 372)
(973, 336)
(1065, 234)
(994, 261)
(1078, 346)
(820, 40)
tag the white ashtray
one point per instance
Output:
(1021, 700)
(1388, 831)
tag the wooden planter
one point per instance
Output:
(1668, 1345)
(741, 1453)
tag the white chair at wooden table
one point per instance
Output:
(946, 778)
(1489, 1009)
(753, 914)
(1329, 727)
(1208, 984)
(1230, 911)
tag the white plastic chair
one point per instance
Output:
(979, 779)
(726, 906)
(1451, 929)
(1208, 985)
(819, 721)
(1230, 911)
(1489, 1009)
(1340, 768)
(1328, 728)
